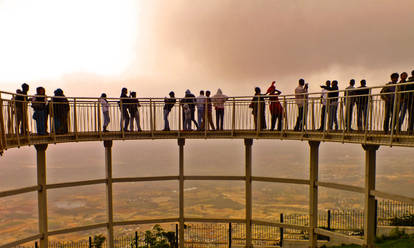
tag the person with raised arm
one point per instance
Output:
(301, 101)
(168, 105)
(105, 111)
(276, 109)
(402, 100)
(333, 105)
(21, 109)
(41, 110)
(218, 101)
(189, 99)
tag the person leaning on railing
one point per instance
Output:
(41, 110)
(168, 105)
(60, 105)
(324, 101)
(387, 95)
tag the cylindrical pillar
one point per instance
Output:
(313, 192)
(109, 202)
(369, 210)
(181, 143)
(42, 194)
(248, 146)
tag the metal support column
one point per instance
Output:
(369, 210)
(181, 143)
(42, 194)
(248, 145)
(109, 208)
(313, 192)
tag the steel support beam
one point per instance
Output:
(248, 146)
(313, 192)
(109, 195)
(369, 209)
(181, 143)
(42, 194)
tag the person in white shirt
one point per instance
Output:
(201, 104)
(324, 98)
(218, 100)
(350, 103)
(301, 100)
(105, 111)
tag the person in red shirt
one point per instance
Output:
(276, 109)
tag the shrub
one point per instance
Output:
(407, 220)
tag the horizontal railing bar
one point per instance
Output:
(229, 178)
(394, 197)
(19, 191)
(284, 225)
(77, 229)
(21, 241)
(341, 187)
(138, 222)
(75, 184)
(214, 220)
(280, 180)
(143, 179)
(339, 235)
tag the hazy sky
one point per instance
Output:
(154, 46)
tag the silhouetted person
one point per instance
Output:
(362, 104)
(201, 105)
(123, 105)
(276, 109)
(21, 101)
(301, 100)
(168, 105)
(402, 100)
(189, 98)
(133, 110)
(410, 103)
(258, 106)
(208, 117)
(333, 105)
(218, 101)
(187, 117)
(324, 101)
(41, 110)
(60, 105)
(350, 101)
(387, 94)
(105, 111)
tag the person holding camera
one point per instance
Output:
(301, 96)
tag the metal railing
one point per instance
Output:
(349, 114)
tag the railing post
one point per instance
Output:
(90, 242)
(329, 220)
(154, 116)
(248, 147)
(2, 129)
(313, 192)
(181, 143)
(176, 235)
(75, 119)
(136, 239)
(42, 194)
(230, 238)
(151, 118)
(109, 208)
(281, 231)
(285, 121)
(15, 120)
(233, 123)
(369, 210)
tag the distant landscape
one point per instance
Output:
(207, 199)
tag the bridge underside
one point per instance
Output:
(372, 138)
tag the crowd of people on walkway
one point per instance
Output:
(396, 107)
